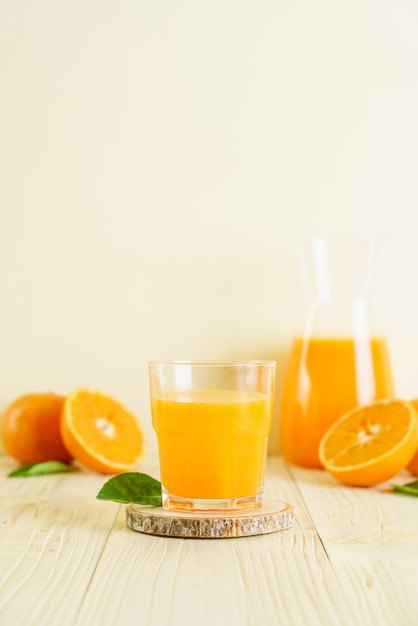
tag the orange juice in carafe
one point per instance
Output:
(326, 377)
(338, 362)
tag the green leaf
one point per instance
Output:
(132, 487)
(36, 469)
(410, 489)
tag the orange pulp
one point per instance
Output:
(212, 444)
(325, 379)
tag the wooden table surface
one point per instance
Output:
(67, 559)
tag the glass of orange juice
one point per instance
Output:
(339, 360)
(212, 420)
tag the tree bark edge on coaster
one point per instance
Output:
(271, 517)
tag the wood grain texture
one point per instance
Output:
(271, 517)
(371, 539)
(51, 540)
(69, 559)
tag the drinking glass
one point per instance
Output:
(212, 421)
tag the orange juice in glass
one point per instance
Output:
(339, 361)
(212, 421)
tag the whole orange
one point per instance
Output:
(31, 429)
(413, 465)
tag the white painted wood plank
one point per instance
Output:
(65, 560)
(52, 534)
(371, 538)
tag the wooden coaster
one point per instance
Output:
(271, 517)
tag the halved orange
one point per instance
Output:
(371, 443)
(100, 433)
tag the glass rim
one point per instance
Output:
(215, 363)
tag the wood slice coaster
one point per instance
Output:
(271, 517)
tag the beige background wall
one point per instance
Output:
(157, 159)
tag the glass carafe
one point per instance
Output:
(338, 361)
